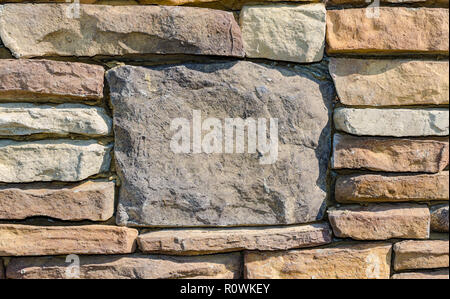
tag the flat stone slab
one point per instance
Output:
(47, 80)
(28, 240)
(390, 154)
(381, 221)
(30, 31)
(222, 266)
(27, 119)
(284, 32)
(421, 255)
(438, 274)
(440, 218)
(392, 122)
(161, 186)
(210, 240)
(353, 261)
(52, 160)
(390, 82)
(91, 200)
(396, 30)
(392, 188)
(219, 4)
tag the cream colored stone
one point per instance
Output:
(27, 240)
(438, 274)
(392, 122)
(52, 160)
(356, 261)
(421, 254)
(209, 240)
(284, 32)
(381, 221)
(27, 119)
(390, 82)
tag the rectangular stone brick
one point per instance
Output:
(390, 154)
(390, 82)
(91, 200)
(353, 261)
(438, 274)
(209, 240)
(381, 221)
(421, 254)
(28, 240)
(397, 30)
(46, 80)
(392, 188)
(52, 160)
(221, 266)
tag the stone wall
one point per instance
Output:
(358, 186)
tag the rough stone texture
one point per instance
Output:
(203, 241)
(381, 221)
(392, 122)
(89, 200)
(27, 119)
(47, 29)
(43, 80)
(421, 255)
(357, 261)
(388, 1)
(375, 82)
(219, 4)
(439, 274)
(27, 240)
(390, 154)
(162, 188)
(440, 218)
(284, 32)
(52, 160)
(397, 30)
(2, 270)
(221, 266)
(392, 188)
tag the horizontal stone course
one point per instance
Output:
(91, 200)
(355, 261)
(421, 254)
(390, 82)
(390, 154)
(27, 119)
(52, 160)
(118, 30)
(205, 241)
(46, 80)
(28, 240)
(440, 218)
(284, 32)
(437, 274)
(396, 30)
(222, 266)
(392, 188)
(380, 221)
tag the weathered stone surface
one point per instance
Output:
(388, 82)
(284, 32)
(386, 1)
(440, 218)
(421, 255)
(31, 30)
(27, 119)
(27, 240)
(392, 122)
(390, 154)
(218, 4)
(52, 160)
(164, 188)
(90, 200)
(360, 261)
(49, 80)
(204, 241)
(392, 188)
(439, 274)
(221, 266)
(2, 270)
(381, 221)
(396, 30)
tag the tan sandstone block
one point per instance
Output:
(421, 254)
(439, 274)
(440, 218)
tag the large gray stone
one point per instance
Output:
(162, 188)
